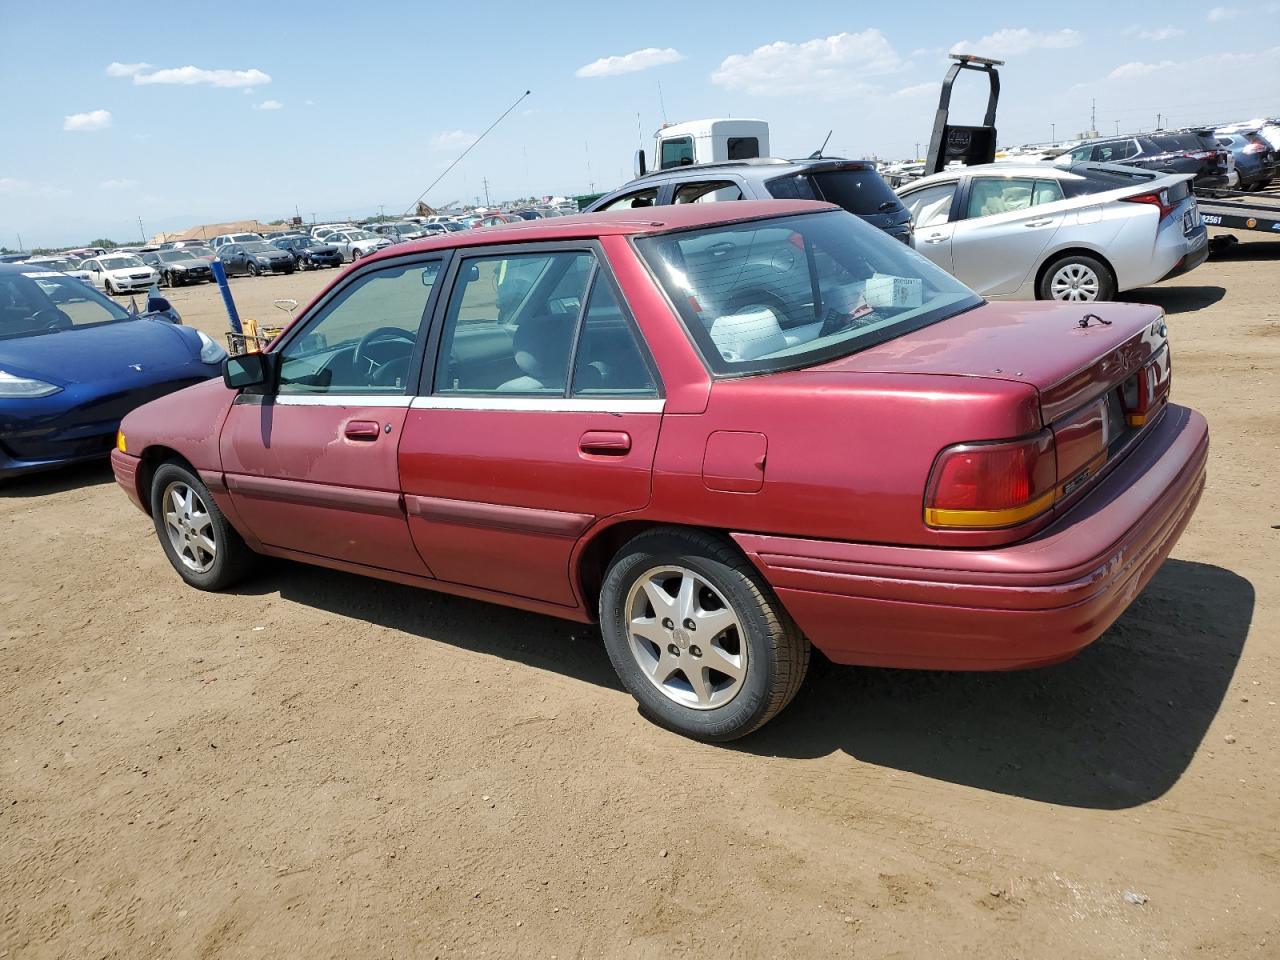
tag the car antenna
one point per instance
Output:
(817, 154)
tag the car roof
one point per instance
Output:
(643, 220)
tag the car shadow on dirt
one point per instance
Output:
(1176, 299)
(546, 643)
(1112, 728)
(50, 482)
(1258, 250)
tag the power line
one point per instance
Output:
(470, 147)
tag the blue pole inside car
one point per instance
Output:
(220, 275)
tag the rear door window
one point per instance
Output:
(1046, 191)
(989, 196)
(707, 191)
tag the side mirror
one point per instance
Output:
(639, 164)
(250, 370)
(158, 305)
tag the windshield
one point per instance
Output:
(173, 256)
(793, 291)
(259, 246)
(360, 235)
(120, 263)
(862, 191)
(60, 264)
(45, 301)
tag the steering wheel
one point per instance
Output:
(378, 333)
(51, 318)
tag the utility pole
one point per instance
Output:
(1053, 133)
(916, 155)
(20, 250)
(1158, 116)
(1117, 128)
(485, 182)
(142, 232)
(1093, 115)
(586, 147)
(381, 213)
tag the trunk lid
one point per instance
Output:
(1071, 353)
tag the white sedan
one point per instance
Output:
(1036, 231)
(354, 244)
(118, 273)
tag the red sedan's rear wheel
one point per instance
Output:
(697, 637)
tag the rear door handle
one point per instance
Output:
(935, 238)
(1044, 222)
(362, 429)
(605, 443)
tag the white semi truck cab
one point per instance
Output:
(706, 141)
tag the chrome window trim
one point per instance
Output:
(340, 400)
(542, 404)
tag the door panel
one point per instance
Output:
(498, 497)
(302, 482)
(1003, 234)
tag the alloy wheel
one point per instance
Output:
(189, 526)
(1074, 281)
(686, 638)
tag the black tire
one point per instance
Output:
(1106, 279)
(232, 558)
(111, 288)
(355, 254)
(253, 269)
(777, 652)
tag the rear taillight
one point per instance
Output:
(1146, 391)
(1256, 148)
(983, 485)
(1158, 199)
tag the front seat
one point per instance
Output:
(541, 345)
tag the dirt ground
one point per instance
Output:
(320, 765)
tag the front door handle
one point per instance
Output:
(607, 443)
(362, 429)
(1044, 222)
(935, 238)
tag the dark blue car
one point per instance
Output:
(73, 363)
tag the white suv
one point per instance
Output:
(226, 238)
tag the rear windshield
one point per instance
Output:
(788, 292)
(862, 192)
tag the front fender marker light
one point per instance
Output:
(987, 485)
(120, 441)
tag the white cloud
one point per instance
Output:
(93, 120)
(1220, 14)
(118, 184)
(630, 62)
(309, 103)
(1153, 33)
(828, 66)
(143, 74)
(918, 89)
(247, 91)
(1012, 42)
(1127, 71)
(115, 69)
(268, 105)
(452, 140)
(12, 187)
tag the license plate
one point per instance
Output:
(1191, 219)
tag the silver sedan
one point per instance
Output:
(1040, 232)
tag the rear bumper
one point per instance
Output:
(1030, 604)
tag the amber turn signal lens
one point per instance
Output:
(120, 441)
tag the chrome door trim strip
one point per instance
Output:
(543, 404)
(339, 400)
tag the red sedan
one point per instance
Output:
(726, 430)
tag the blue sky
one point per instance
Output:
(178, 116)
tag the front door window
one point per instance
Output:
(362, 341)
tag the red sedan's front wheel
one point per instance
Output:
(202, 546)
